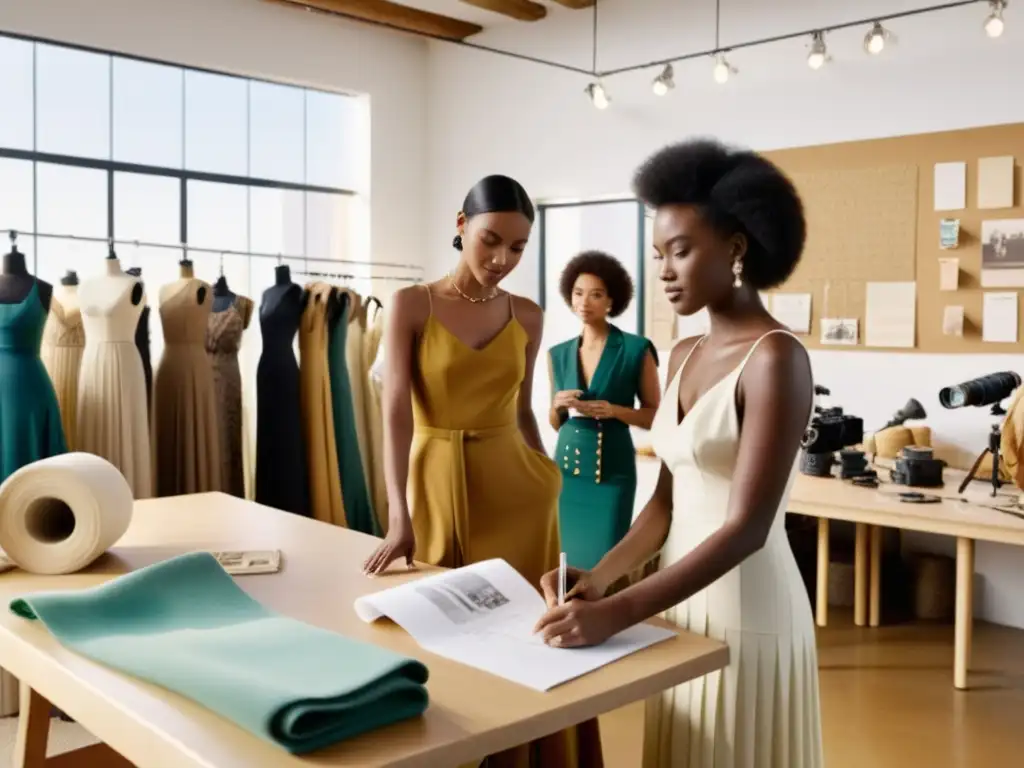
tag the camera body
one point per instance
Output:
(918, 468)
(832, 430)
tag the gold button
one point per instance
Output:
(576, 471)
(577, 451)
(598, 451)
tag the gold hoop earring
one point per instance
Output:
(737, 270)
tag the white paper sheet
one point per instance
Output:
(483, 616)
(953, 321)
(950, 186)
(839, 330)
(793, 310)
(999, 318)
(949, 274)
(995, 182)
(890, 314)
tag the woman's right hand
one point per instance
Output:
(399, 542)
(567, 398)
(578, 583)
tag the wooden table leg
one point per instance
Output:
(821, 596)
(963, 628)
(860, 576)
(875, 558)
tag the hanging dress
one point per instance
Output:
(112, 419)
(354, 361)
(186, 437)
(478, 491)
(762, 709)
(223, 341)
(375, 412)
(62, 348)
(317, 409)
(358, 511)
(30, 418)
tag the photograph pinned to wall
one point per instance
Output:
(949, 233)
(950, 186)
(949, 274)
(839, 331)
(953, 321)
(995, 182)
(1002, 253)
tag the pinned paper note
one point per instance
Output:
(999, 319)
(949, 233)
(793, 310)
(890, 314)
(839, 330)
(950, 186)
(995, 182)
(949, 274)
(953, 321)
(1002, 253)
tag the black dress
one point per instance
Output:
(142, 343)
(282, 480)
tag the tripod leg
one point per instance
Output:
(974, 469)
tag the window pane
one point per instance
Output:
(329, 231)
(71, 201)
(276, 221)
(147, 113)
(72, 102)
(15, 196)
(147, 208)
(335, 140)
(275, 132)
(56, 257)
(216, 123)
(217, 216)
(16, 80)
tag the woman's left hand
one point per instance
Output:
(578, 623)
(597, 409)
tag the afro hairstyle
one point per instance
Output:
(736, 191)
(608, 270)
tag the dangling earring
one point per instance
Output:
(737, 270)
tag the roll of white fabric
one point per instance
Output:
(63, 512)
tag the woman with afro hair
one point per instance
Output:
(727, 224)
(596, 378)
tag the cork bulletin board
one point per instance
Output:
(871, 218)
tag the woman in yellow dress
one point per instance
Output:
(462, 449)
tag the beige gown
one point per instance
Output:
(112, 417)
(762, 710)
(186, 437)
(61, 353)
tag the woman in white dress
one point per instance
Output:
(727, 225)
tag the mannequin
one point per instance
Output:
(281, 461)
(142, 343)
(16, 281)
(61, 351)
(223, 296)
(112, 419)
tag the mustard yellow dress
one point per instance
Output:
(477, 491)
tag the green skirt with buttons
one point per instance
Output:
(595, 508)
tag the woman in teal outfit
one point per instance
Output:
(596, 380)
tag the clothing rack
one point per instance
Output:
(185, 248)
(343, 276)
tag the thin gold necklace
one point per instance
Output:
(468, 298)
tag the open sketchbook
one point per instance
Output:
(483, 615)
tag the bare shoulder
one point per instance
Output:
(529, 314)
(780, 352)
(679, 353)
(410, 307)
(780, 369)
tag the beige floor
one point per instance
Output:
(887, 700)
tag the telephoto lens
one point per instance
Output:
(982, 391)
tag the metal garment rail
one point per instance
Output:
(185, 248)
(343, 276)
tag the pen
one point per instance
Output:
(561, 578)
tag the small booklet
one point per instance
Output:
(483, 616)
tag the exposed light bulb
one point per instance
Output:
(994, 24)
(819, 53)
(874, 41)
(659, 88)
(722, 69)
(664, 82)
(597, 95)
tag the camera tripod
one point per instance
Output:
(995, 438)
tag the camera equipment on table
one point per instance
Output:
(830, 431)
(991, 390)
(917, 466)
(912, 410)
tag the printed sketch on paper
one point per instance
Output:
(835, 330)
(1002, 253)
(463, 596)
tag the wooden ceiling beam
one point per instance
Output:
(576, 4)
(395, 16)
(523, 10)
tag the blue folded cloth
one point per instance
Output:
(185, 625)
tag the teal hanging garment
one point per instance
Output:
(185, 625)
(354, 489)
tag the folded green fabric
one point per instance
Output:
(185, 625)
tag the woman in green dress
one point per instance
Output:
(596, 379)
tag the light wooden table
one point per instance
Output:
(832, 499)
(471, 713)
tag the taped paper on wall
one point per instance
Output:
(999, 319)
(890, 314)
(949, 233)
(950, 186)
(949, 274)
(793, 310)
(836, 330)
(953, 321)
(995, 182)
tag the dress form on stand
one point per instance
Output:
(62, 349)
(112, 418)
(142, 344)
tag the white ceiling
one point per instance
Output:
(460, 10)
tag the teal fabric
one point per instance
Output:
(354, 489)
(594, 516)
(185, 625)
(30, 426)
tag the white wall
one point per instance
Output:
(491, 114)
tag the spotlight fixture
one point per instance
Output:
(994, 24)
(664, 82)
(596, 93)
(723, 69)
(819, 53)
(875, 40)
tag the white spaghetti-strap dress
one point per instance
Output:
(762, 710)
